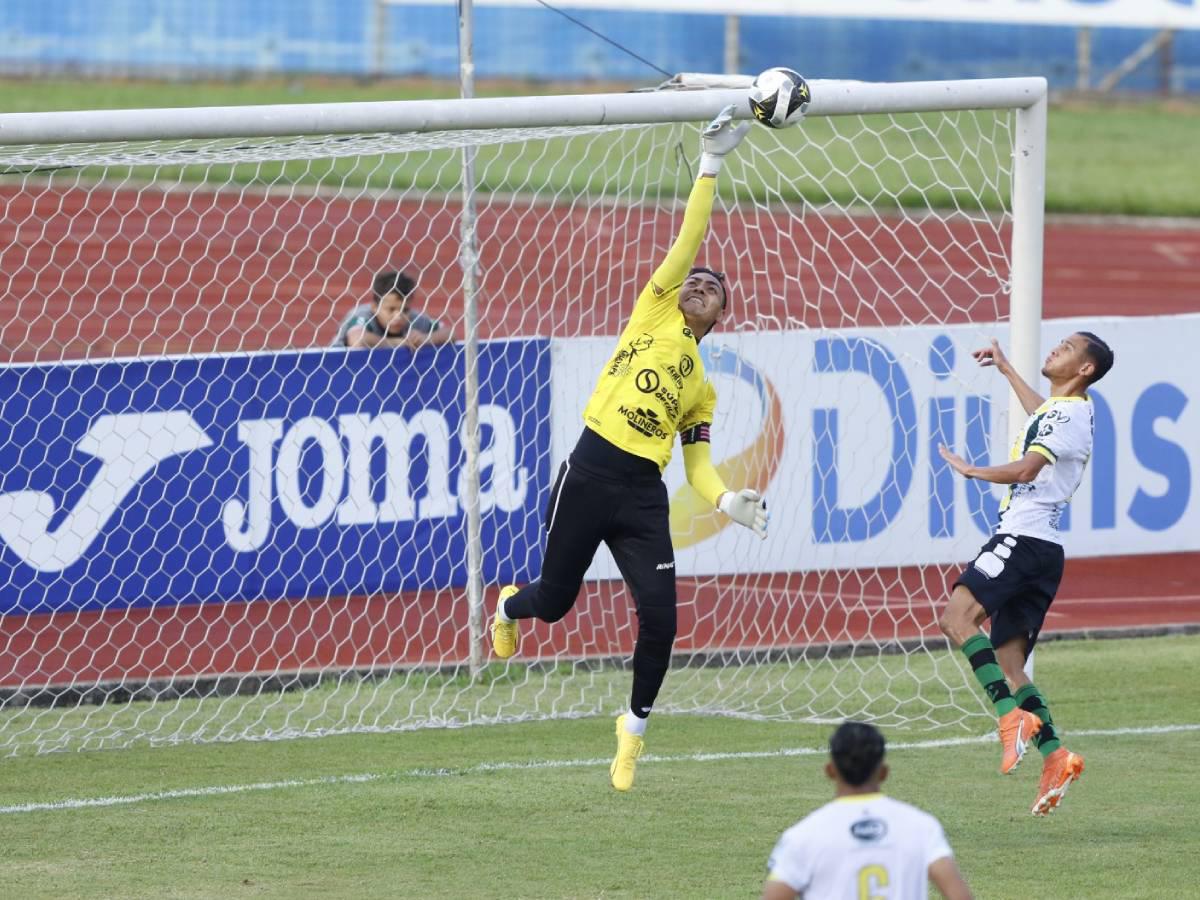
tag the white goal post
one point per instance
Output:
(216, 526)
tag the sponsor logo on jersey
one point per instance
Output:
(624, 358)
(669, 401)
(686, 365)
(1055, 415)
(644, 421)
(641, 344)
(869, 829)
(662, 566)
(647, 381)
(687, 333)
(675, 376)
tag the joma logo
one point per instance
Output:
(270, 451)
(129, 447)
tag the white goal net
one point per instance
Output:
(214, 525)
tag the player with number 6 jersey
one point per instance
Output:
(610, 489)
(863, 843)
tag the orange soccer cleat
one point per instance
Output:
(1058, 771)
(1017, 728)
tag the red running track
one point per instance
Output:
(101, 273)
(430, 629)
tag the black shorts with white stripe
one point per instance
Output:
(1014, 578)
(604, 494)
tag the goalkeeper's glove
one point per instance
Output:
(721, 136)
(746, 507)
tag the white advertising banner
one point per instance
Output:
(1117, 13)
(840, 431)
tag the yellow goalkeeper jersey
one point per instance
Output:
(654, 384)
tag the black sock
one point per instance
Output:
(520, 604)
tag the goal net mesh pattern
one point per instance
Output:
(215, 526)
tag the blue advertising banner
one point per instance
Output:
(287, 475)
(945, 39)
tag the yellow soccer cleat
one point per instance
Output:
(1060, 769)
(1017, 728)
(505, 635)
(629, 748)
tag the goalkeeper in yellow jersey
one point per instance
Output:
(611, 488)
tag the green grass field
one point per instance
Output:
(525, 810)
(1103, 157)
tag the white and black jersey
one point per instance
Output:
(1062, 430)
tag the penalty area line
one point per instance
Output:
(486, 768)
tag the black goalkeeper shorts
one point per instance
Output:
(1015, 579)
(606, 495)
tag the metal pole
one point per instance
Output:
(469, 260)
(1166, 63)
(379, 34)
(733, 41)
(1029, 209)
(1025, 303)
(1083, 59)
(1151, 46)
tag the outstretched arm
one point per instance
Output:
(719, 138)
(994, 356)
(682, 255)
(1023, 471)
(746, 507)
(697, 463)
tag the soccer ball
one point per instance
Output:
(779, 98)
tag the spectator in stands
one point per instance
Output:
(392, 320)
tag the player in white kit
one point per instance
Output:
(1014, 578)
(864, 844)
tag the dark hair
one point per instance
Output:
(1101, 355)
(720, 276)
(856, 749)
(392, 282)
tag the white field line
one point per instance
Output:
(483, 768)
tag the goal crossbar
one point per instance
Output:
(830, 98)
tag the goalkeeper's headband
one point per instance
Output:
(720, 276)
